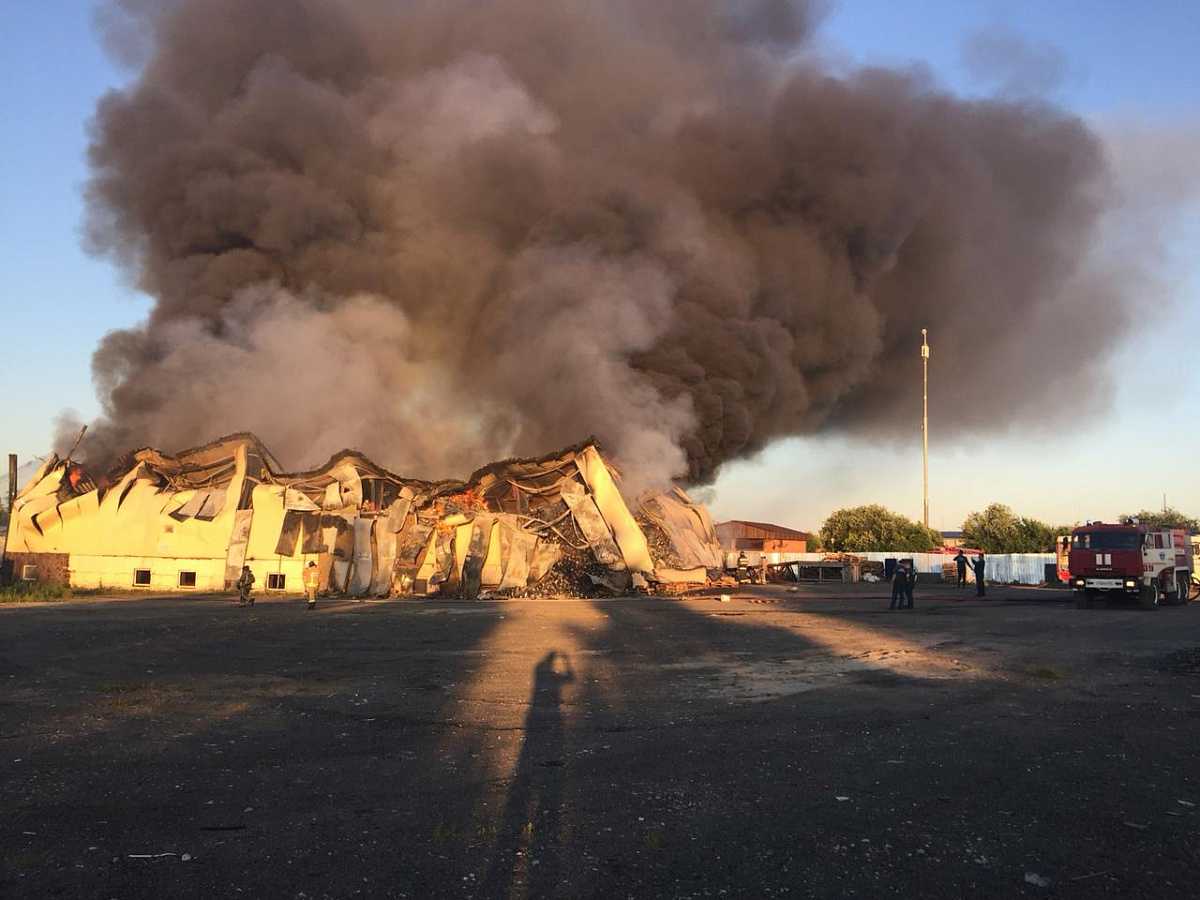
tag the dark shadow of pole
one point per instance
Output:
(532, 824)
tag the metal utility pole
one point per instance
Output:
(78, 438)
(925, 414)
(12, 497)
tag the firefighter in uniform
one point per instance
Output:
(902, 585)
(980, 584)
(312, 580)
(743, 570)
(961, 561)
(244, 583)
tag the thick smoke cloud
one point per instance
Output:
(451, 230)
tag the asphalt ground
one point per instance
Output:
(779, 744)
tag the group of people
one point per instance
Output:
(903, 579)
(978, 565)
(746, 575)
(312, 581)
(905, 576)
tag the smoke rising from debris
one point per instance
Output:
(444, 231)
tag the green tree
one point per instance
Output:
(1169, 517)
(994, 530)
(864, 528)
(1038, 536)
(999, 530)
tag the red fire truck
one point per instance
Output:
(1131, 560)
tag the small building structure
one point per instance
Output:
(952, 540)
(761, 537)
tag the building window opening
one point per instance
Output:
(29, 573)
(141, 578)
(378, 494)
(187, 579)
(276, 581)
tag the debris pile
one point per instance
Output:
(661, 547)
(873, 567)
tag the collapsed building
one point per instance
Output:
(555, 525)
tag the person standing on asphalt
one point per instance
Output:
(244, 583)
(979, 565)
(961, 562)
(312, 580)
(743, 570)
(901, 589)
(910, 582)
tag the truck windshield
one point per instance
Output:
(1107, 540)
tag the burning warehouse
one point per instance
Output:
(673, 230)
(553, 525)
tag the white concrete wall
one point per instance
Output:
(117, 572)
(1016, 568)
(292, 568)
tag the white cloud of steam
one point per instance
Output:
(582, 319)
(310, 375)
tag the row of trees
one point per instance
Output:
(1167, 517)
(996, 529)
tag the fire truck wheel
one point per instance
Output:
(1149, 595)
(1184, 581)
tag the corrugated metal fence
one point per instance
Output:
(1012, 568)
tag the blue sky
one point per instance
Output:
(1132, 75)
(57, 300)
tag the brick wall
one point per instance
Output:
(52, 568)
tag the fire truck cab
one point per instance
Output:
(1131, 560)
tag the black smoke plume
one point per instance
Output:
(444, 231)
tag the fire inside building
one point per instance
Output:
(549, 526)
